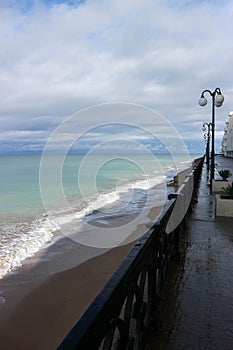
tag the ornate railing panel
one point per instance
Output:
(125, 310)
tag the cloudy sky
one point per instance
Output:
(58, 57)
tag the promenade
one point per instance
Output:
(199, 303)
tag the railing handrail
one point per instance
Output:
(104, 313)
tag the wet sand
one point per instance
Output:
(41, 319)
(39, 311)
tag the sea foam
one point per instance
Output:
(22, 240)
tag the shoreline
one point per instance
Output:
(40, 308)
(47, 295)
(36, 234)
(27, 239)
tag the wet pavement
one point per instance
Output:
(199, 314)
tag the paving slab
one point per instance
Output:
(204, 313)
(199, 304)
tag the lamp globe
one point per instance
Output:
(202, 101)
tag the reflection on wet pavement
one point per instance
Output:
(199, 310)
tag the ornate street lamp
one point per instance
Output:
(217, 101)
(207, 137)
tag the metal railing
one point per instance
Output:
(124, 312)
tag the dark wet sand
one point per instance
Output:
(42, 306)
(42, 316)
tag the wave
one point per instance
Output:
(23, 240)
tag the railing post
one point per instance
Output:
(130, 298)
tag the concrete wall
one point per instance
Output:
(224, 207)
(184, 196)
(181, 176)
(218, 184)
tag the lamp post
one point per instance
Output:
(217, 101)
(207, 136)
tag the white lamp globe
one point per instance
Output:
(202, 101)
(218, 104)
(219, 98)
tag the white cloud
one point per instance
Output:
(162, 54)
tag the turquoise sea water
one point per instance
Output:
(88, 183)
(20, 188)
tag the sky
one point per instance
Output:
(59, 58)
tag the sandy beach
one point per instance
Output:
(44, 313)
(39, 311)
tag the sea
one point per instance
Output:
(96, 189)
